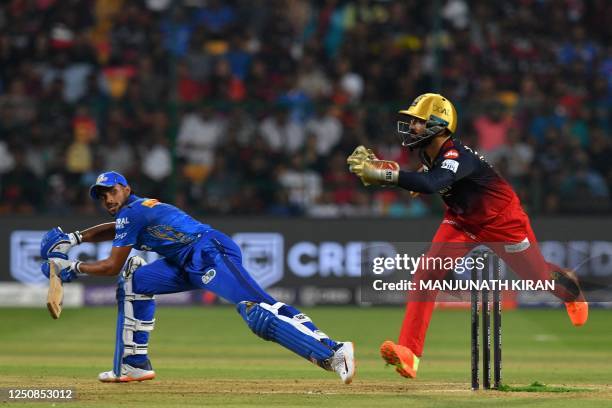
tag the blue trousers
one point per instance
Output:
(215, 265)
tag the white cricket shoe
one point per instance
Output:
(343, 362)
(128, 373)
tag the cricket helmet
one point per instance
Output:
(438, 113)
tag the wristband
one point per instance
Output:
(75, 238)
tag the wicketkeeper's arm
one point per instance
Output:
(425, 182)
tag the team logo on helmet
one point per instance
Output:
(101, 178)
(417, 100)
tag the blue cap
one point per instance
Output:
(108, 179)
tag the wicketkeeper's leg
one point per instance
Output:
(449, 241)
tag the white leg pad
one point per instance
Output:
(130, 323)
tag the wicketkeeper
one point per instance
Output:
(481, 208)
(195, 256)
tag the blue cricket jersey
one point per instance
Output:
(150, 225)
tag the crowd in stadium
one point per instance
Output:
(250, 107)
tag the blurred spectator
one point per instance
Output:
(153, 84)
(350, 82)
(221, 188)
(281, 133)
(199, 134)
(584, 184)
(492, 129)
(116, 153)
(156, 156)
(39, 154)
(303, 185)
(326, 128)
(223, 85)
(312, 79)
(176, 28)
(517, 155)
(18, 108)
(7, 161)
(20, 188)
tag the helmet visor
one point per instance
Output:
(403, 127)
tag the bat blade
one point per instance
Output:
(55, 295)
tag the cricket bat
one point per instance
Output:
(55, 296)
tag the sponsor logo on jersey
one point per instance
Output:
(120, 223)
(120, 236)
(451, 154)
(208, 276)
(451, 165)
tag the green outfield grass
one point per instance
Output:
(207, 356)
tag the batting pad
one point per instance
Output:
(263, 319)
(135, 318)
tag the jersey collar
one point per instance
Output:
(129, 201)
(430, 162)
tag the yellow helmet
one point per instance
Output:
(438, 113)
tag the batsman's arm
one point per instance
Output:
(109, 266)
(99, 233)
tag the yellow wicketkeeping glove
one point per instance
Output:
(364, 163)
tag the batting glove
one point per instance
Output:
(56, 243)
(69, 270)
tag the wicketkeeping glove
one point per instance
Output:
(361, 153)
(56, 243)
(371, 170)
(69, 270)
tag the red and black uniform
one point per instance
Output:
(481, 208)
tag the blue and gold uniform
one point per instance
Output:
(197, 256)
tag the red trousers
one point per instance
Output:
(509, 235)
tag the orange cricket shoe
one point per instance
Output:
(578, 312)
(569, 285)
(404, 360)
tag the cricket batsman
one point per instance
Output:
(481, 208)
(195, 256)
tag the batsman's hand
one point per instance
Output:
(56, 243)
(372, 170)
(69, 270)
